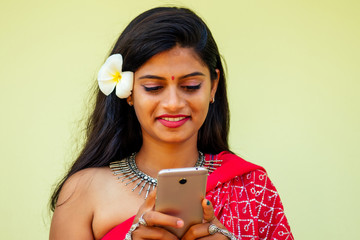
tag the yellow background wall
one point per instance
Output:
(293, 78)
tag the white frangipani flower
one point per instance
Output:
(111, 76)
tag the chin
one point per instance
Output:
(175, 139)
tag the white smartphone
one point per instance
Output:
(179, 193)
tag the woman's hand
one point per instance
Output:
(202, 230)
(154, 219)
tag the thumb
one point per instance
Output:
(149, 203)
(208, 210)
(150, 200)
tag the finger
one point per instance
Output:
(201, 231)
(150, 200)
(208, 210)
(152, 233)
(153, 218)
(148, 205)
(197, 231)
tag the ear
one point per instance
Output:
(214, 85)
(129, 100)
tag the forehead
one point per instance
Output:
(175, 59)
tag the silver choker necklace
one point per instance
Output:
(129, 171)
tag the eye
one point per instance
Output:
(192, 88)
(152, 89)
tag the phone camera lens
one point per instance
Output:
(182, 181)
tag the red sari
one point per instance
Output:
(244, 200)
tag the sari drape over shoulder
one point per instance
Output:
(244, 200)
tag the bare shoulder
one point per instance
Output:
(75, 207)
(80, 185)
(114, 201)
(91, 203)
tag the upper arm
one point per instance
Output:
(73, 213)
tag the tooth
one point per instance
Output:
(173, 119)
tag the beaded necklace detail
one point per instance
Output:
(130, 172)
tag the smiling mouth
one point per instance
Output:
(173, 119)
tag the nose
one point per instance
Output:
(173, 100)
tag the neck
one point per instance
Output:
(154, 157)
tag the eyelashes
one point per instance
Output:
(189, 88)
(192, 87)
(152, 89)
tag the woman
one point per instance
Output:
(162, 103)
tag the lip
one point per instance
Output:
(173, 121)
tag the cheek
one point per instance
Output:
(200, 107)
(200, 102)
(144, 106)
(139, 105)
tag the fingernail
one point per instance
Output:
(208, 202)
(179, 223)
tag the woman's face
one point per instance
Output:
(171, 96)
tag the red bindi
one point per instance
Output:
(172, 77)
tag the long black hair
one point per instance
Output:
(113, 131)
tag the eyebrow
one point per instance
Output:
(162, 78)
(192, 75)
